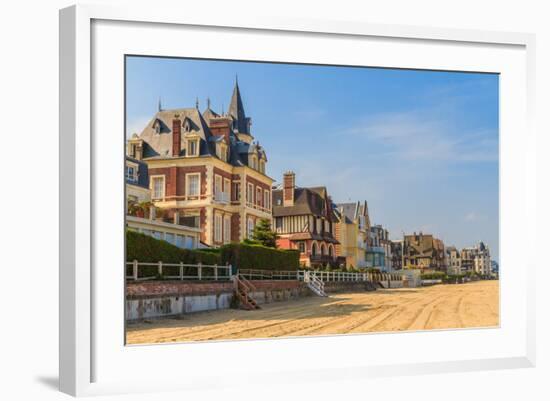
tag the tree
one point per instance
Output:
(264, 235)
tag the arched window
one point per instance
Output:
(314, 249)
(330, 250)
(323, 249)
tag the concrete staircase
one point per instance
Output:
(243, 288)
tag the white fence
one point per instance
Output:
(140, 271)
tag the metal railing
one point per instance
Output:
(141, 271)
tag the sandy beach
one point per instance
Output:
(438, 307)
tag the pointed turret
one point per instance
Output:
(236, 111)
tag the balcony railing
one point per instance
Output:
(258, 207)
(376, 249)
(222, 197)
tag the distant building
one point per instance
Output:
(352, 232)
(482, 260)
(304, 219)
(206, 170)
(397, 255)
(425, 252)
(454, 262)
(467, 256)
(379, 251)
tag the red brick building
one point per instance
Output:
(304, 219)
(206, 170)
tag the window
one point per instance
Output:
(302, 247)
(193, 184)
(254, 163)
(157, 235)
(278, 222)
(189, 242)
(262, 166)
(192, 147)
(218, 228)
(169, 237)
(250, 227)
(218, 187)
(236, 191)
(131, 174)
(180, 241)
(267, 199)
(158, 187)
(314, 249)
(250, 193)
(227, 229)
(258, 196)
(227, 189)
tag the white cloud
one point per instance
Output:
(473, 216)
(426, 134)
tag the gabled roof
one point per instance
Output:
(307, 201)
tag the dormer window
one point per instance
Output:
(192, 147)
(187, 126)
(254, 163)
(262, 166)
(156, 127)
(221, 151)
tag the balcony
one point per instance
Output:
(376, 249)
(222, 197)
(258, 207)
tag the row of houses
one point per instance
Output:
(204, 177)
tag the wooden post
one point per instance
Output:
(215, 272)
(199, 271)
(181, 271)
(160, 268)
(135, 269)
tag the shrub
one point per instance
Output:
(146, 249)
(249, 256)
(433, 276)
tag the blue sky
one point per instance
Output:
(420, 146)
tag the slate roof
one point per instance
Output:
(159, 145)
(307, 201)
(143, 173)
(236, 111)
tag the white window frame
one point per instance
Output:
(250, 193)
(189, 141)
(227, 188)
(152, 186)
(218, 219)
(188, 177)
(267, 199)
(250, 227)
(226, 229)
(218, 179)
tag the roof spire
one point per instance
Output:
(197, 103)
(208, 102)
(236, 109)
(160, 105)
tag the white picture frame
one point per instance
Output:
(87, 356)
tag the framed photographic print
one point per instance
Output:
(334, 198)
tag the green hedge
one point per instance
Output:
(146, 249)
(248, 256)
(433, 276)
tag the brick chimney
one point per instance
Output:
(289, 183)
(176, 137)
